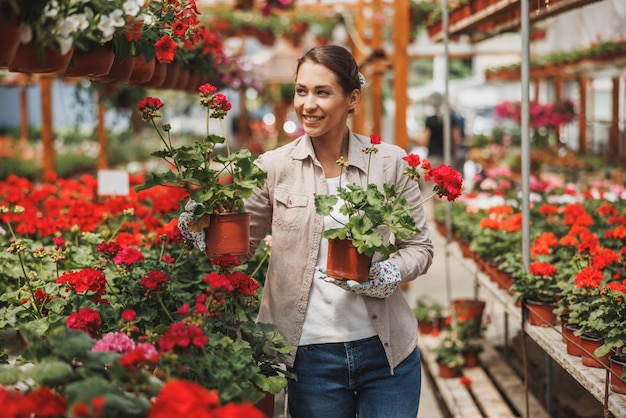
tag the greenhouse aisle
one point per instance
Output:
(434, 285)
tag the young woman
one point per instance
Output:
(357, 347)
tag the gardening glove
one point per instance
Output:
(185, 220)
(383, 279)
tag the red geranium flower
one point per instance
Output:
(154, 279)
(86, 320)
(87, 279)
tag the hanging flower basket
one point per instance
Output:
(119, 73)
(10, 39)
(94, 63)
(27, 60)
(142, 70)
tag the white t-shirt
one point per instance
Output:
(333, 314)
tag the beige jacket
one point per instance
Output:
(286, 205)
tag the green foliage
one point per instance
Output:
(427, 309)
(368, 210)
(64, 360)
(19, 167)
(218, 183)
(239, 358)
(449, 351)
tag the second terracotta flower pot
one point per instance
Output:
(345, 262)
(228, 234)
(541, 313)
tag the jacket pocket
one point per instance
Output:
(289, 209)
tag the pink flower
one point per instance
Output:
(114, 341)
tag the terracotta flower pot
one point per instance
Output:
(266, 404)
(572, 342)
(345, 262)
(469, 310)
(448, 372)
(589, 344)
(119, 73)
(183, 79)
(157, 79)
(425, 327)
(171, 79)
(194, 82)
(27, 60)
(471, 359)
(228, 234)
(9, 39)
(142, 70)
(617, 364)
(94, 63)
(541, 313)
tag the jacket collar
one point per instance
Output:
(356, 157)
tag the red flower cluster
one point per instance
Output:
(154, 280)
(41, 402)
(179, 398)
(542, 269)
(181, 334)
(85, 280)
(149, 108)
(448, 181)
(502, 217)
(544, 244)
(217, 103)
(128, 256)
(57, 205)
(86, 320)
(180, 19)
(588, 278)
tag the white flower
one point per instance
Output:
(26, 34)
(65, 44)
(73, 24)
(132, 7)
(107, 24)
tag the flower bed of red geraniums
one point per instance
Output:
(114, 308)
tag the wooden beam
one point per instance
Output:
(377, 74)
(101, 133)
(582, 115)
(23, 109)
(401, 70)
(359, 117)
(614, 132)
(47, 134)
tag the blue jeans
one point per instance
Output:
(346, 380)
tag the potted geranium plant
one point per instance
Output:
(370, 209)
(449, 355)
(427, 311)
(217, 183)
(538, 288)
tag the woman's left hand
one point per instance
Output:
(384, 277)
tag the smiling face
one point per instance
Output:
(321, 103)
